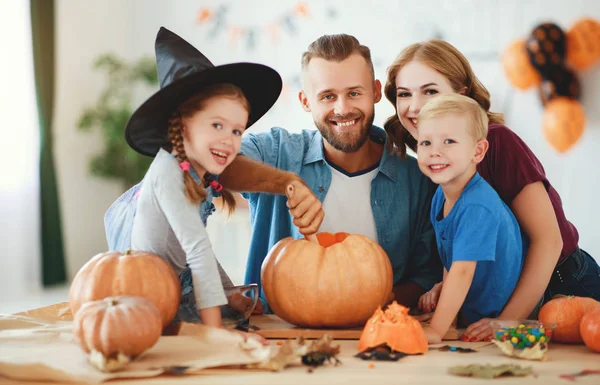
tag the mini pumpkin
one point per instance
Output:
(115, 330)
(395, 328)
(590, 329)
(134, 273)
(566, 313)
(338, 282)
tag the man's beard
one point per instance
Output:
(346, 142)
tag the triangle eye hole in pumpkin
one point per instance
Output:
(328, 239)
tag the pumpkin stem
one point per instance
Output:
(127, 252)
(112, 301)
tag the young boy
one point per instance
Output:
(478, 237)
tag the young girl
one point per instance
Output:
(193, 127)
(554, 264)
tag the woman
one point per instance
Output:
(554, 264)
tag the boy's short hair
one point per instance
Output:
(457, 104)
(337, 48)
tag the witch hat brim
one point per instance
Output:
(185, 73)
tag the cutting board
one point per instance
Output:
(273, 327)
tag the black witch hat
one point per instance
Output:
(183, 71)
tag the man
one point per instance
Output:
(362, 188)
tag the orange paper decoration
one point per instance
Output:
(203, 15)
(302, 9)
(563, 123)
(583, 43)
(517, 67)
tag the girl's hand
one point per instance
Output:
(257, 337)
(479, 331)
(240, 302)
(428, 301)
(211, 316)
(258, 309)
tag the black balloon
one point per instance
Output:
(546, 47)
(560, 82)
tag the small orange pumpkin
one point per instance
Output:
(590, 329)
(517, 68)
(395, 328)
(566, 313)
(563, 122)
(115, 330)
(134, 273)
(336, 283)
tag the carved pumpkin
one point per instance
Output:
(546, 47)
(518, 69)
(115, 330)
(134, 273)
(336, 283)
(566, 313)
(563, 123)
(583, 43)
(397, 329)
(590, 329)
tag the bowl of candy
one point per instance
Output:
(527, 339)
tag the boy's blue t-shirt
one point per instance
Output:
(480, 227)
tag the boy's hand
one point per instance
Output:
(479, 331)
(428, 301)
(305, 207)
(433, 337)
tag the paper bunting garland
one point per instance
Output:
(289, 22)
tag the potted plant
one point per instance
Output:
(111, 113)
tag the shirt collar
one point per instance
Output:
(386, 165)
(315, 149)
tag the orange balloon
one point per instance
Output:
(583, 43)
(563, 123)
(518, 68)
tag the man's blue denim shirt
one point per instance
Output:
(400, 198)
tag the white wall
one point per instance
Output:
(481, 29)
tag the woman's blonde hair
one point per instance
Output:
(450, 104)
(444, 58)
(196, 192)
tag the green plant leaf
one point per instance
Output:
(110, 115)
(87, 119)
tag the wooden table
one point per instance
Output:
(431, 368)
(426, 369)
(273, 327)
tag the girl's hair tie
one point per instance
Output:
(216, 185)
(185, 165)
